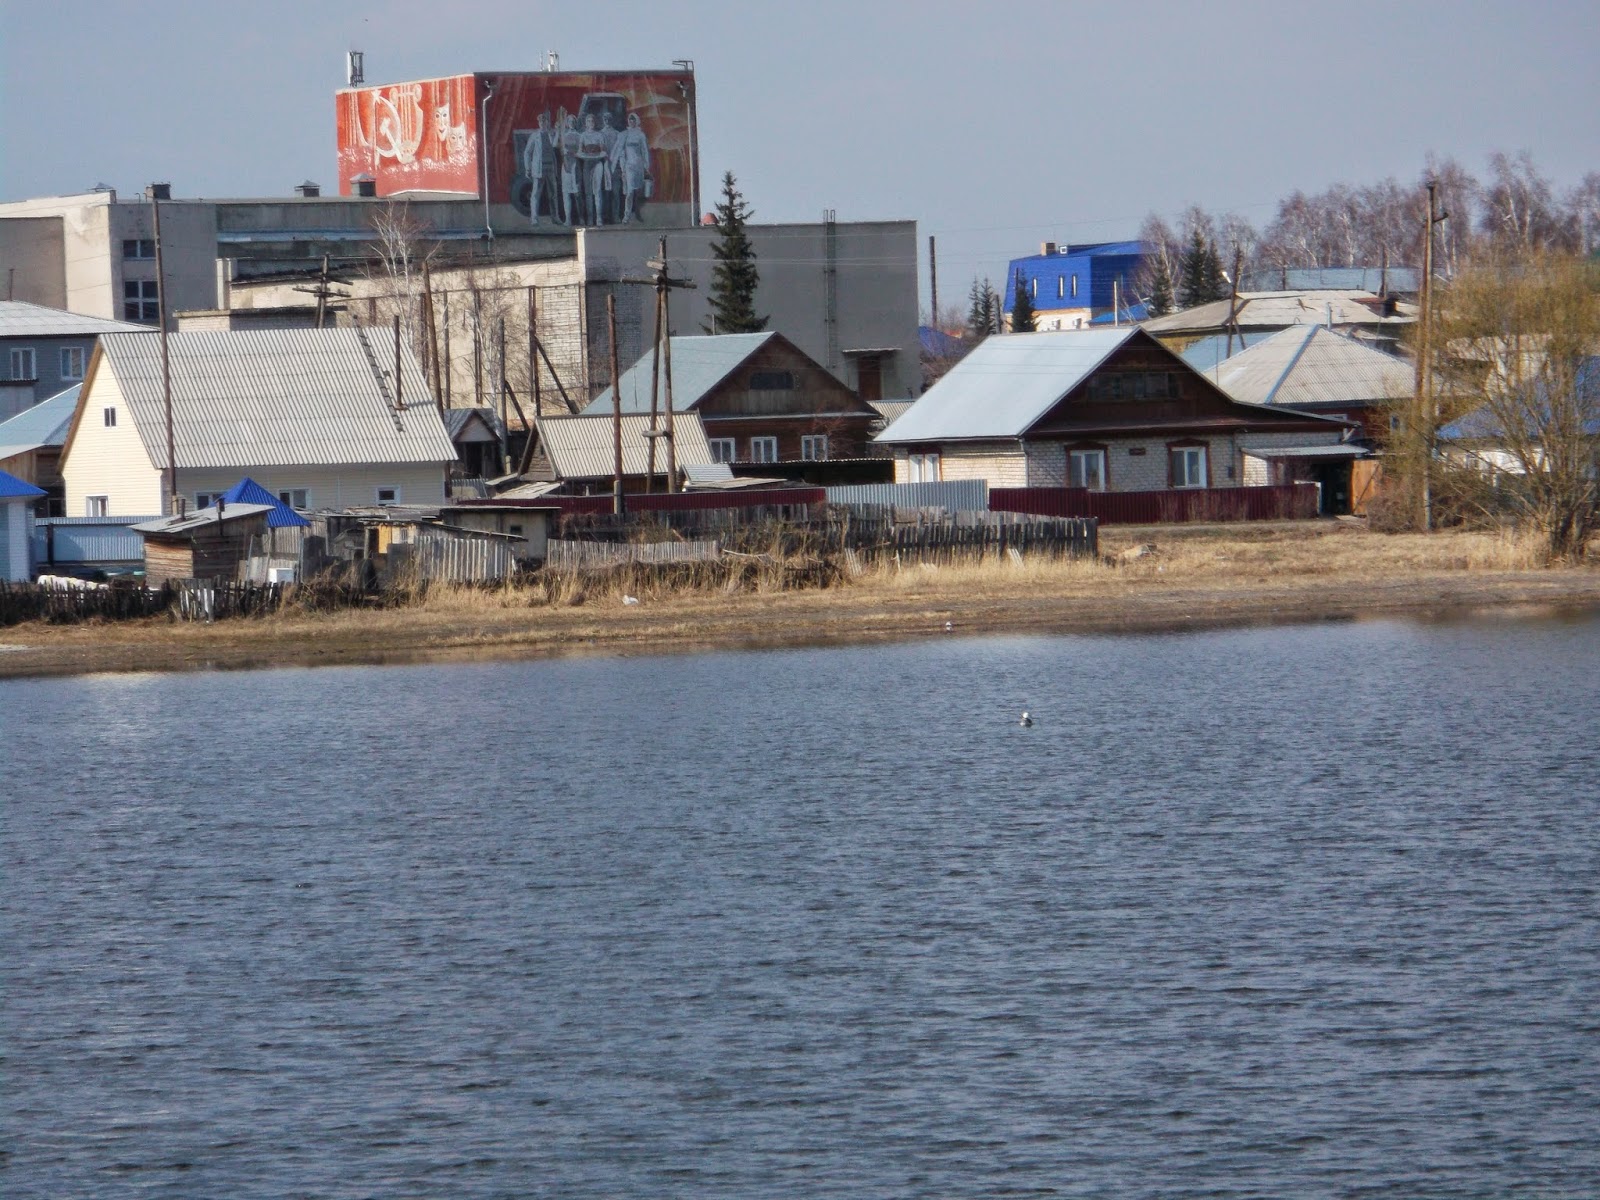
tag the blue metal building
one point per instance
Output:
(1071, 285)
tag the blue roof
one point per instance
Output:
(45, 424)
(1485, 425)
(248, 491)
(939, 343)
(1128, 314)
(1077, 276)
(12, 488)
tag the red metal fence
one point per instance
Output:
(1286, 502)
(672, 502)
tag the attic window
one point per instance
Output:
(772, 381)
(110, 417)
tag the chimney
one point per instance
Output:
(307, 189)
(366, 185)
(158, 191)
(1047, 247)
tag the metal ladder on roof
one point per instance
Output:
(379, 374)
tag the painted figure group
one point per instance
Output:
(596, 175)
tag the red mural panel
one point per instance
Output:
(562, 148)
(410, 137)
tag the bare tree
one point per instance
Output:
(1520, 212)
(1519, 338)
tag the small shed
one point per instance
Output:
(528, 523)
(16, 527)
(210, 544)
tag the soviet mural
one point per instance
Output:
(561, 149)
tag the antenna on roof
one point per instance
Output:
(354, 68)
(552, 60)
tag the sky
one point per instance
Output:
(994, 127)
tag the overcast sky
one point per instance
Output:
(994, 126)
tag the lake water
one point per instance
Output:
(1308, 911)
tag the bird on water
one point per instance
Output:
(1026, 721)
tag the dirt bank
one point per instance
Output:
(1196, 578)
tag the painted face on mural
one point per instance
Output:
(633, 120)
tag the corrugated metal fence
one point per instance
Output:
(1296, 501)
(87, 541)
(957, 495)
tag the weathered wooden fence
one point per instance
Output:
(72, 602)
(575, 555)
(450, 556)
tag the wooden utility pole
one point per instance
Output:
(1425, 410)
(533, 350)
(431, 335)
(655, 389)
(1233, 300)
(933, 280)
(616, 405)
(171, 508)
(448, 362)
(399, 385)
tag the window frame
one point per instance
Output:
(724, 449)
(287, 495)
(1183, 452)
(1086, 453)
(378, 492)
(773, 380)
(74, 360)
(138, 249)
(97, 506)
(108, 416)
(21, 355)
(810, 442)
(925, 467)
(759, 445)
(141, 300)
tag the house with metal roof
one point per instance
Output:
(760, 398)
(579, 452)
(1314, 369)
(321, 418)
(1072, 285)
(17, 498)
(43, 350)
(1209, 333)
(31, 441)
(1103, 409)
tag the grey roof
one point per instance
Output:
(1313, 365)
(276, 397)
(1338, 450)
(582, 447)
(698, 365)
(45, 424)
(708, 472)
(20, 319)
(191, 521)
(456, 419)
(1367, 279)
(1005, 385)
(1278, 310)
(892, 410)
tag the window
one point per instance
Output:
(109, 416)
(138, 248)
(923, 468)
(388, 495)
(1074, 285)
(772, 381)
(1188, 466)
(814, 447)
(23, 365)
(1087, 469)
(722, 449)
(1033, 288)
(206, 499)
(1061, 287)
(294, 497)
(1134, 385)
(141, 300)
(97, 506)
(763, 449)
(72, 362)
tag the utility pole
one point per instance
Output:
(171, 508)
(655, 390)
(933, 280)
(616, 405)
(663, 282)
(1233, 300)
(1425, 409)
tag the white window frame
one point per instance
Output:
(1189, 456)
(97, 506)
(108, 417)
(1061, 287)
(723, 450)
(1074, 287)
(72, 362)
(1077, 476)
(290, 496)
(205, 500)
(924, 468)
(764, 449)
(24, 363)
(814, 447)
(378, 492)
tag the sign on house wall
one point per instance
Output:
(562, 148)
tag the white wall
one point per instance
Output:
(349, 486)
(108, 461)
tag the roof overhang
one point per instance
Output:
(1342, 450)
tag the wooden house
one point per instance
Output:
(208, 545)
(760, 398)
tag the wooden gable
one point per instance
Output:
(1144, 387)
(780, 380)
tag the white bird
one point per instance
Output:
(949, 625)
(1026, 721)
(630, 599)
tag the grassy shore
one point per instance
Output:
(1196, 577)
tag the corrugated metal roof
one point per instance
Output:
(277, 397)
(189, 522)
(1280, 310)
(1314, 365)
(892, 410)
(45, 424)
(1005, 384)
(708, 472)
(582, 447)
(455, 420)
(1367, 279)
(698, 365)
(12, 488)
(19, 319)
(248, 491)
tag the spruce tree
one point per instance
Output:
(1161, 300)
(734, 278)
(1212, 280)
(1192, 286)
(1022, 308)
(980, 315)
